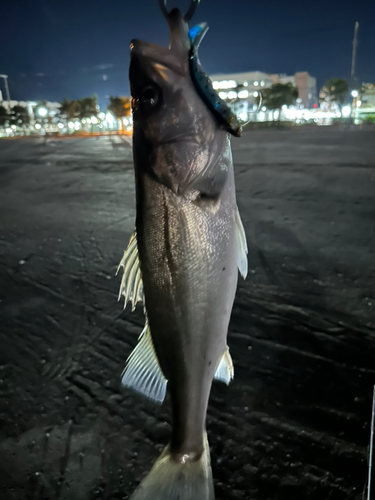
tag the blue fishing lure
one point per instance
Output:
(219, 108)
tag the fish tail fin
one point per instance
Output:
(182, 480)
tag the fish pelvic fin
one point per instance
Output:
(170, 479)
(225, 370)
(142, 372)
(131, 284)
(241, 245)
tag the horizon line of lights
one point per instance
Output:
(242, 94)
(225, 84)
(232, 84)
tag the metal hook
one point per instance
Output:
(189, 14)
(243, 124)
(258, 109)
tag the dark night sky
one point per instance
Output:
(73, 48)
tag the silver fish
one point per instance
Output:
(183, 257)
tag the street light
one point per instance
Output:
(355, 93)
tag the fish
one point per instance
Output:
(183, 258)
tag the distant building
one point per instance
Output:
(252, 80)
(366, 101)
(306, 85)
(241, 89)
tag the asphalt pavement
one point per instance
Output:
(294, 423)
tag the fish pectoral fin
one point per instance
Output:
(225, 370)
(142, 372)
(241, 245)
(131, 284)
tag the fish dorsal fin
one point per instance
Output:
(142, 372)
(241, 245)
(225, 370)
(131, 284)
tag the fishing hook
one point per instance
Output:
(258, 109)
(189, 14)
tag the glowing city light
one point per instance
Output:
(256, 84)
(101, 116)
(289, 113)
(255, 94)
(232, 95)
(245, 84)
(71, 125)
(8, 130)
(60, 125)
(243, 94)
(42, 112)
(38, 126)
(223, 95)
(225, 84)
(94, 120)
(346, 111)
(355, 93)
(110, 119)
(359, 103)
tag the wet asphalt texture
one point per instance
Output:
(295, 422)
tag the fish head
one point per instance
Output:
(170, 119)
(165, 103)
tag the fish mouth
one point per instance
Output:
(150, 54)
(174, 57)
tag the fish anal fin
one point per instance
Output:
(142, 372)
(225, 370)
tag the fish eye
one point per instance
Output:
(150, 96)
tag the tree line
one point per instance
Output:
(17, 116)
(70, 110)
(335, 90)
